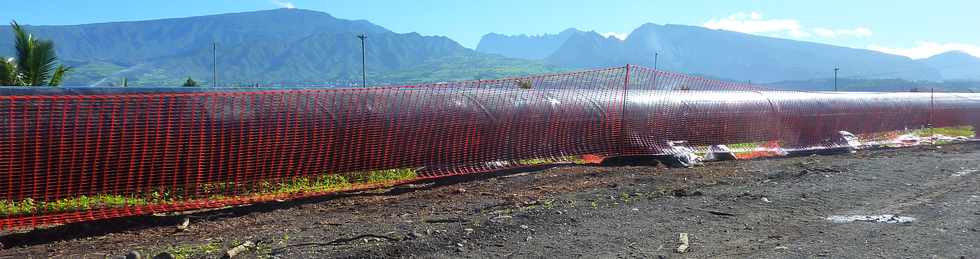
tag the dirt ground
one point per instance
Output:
(772, 208)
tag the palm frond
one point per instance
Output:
(59, 75)
(42, 62)
(36, 63)
(24, 46)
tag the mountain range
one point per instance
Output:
(303, 47)
(256, 47)
(726, 54)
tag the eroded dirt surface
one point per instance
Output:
(775, 208)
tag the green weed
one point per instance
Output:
(385, 176)
(959, 131)
(197, 250)
(213, 191)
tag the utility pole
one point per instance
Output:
(835, 78)
(214, 64)
(363, 62)
(656, 57)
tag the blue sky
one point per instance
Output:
(912, 28)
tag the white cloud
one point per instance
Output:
(925, 49)
(618, 35)
(755, 23)
(284, 4)
(830, 33)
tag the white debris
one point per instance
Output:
(498, 164)
(939, 138)
(913, 140)
(684, 156)
(964, 172)
(908, 140)
(719, 153)
(766, 200)
(850, 140)
(885, 218)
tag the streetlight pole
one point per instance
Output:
(214, 64)
(363, 62)
(835, 78)
(656, 57)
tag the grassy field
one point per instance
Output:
(212, 191)
(220, 191)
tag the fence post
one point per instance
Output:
(623, 139)
(932, 106)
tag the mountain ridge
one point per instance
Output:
(252, 47)
(740, 56)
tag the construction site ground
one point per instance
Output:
(919, 202)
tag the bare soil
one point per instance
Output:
(771, 208)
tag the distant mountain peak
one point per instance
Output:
(955, 65)
(524, 46)
(953, 54)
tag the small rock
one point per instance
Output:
(184, 224)
(467, 230)
(766, 200)
(524, 227)
(684, 243)
(164, 255)
(686, 193)
(636, 209)
(234, 251)
(134, 255)
(460, 190)
(781, 248)
(499, 219)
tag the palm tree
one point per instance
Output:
(8, 72)
(34, 64)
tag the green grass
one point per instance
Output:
(534, 161)
(384, 176)
(320, 183)
(194, 251)
(29, 206)
(959, 131)
(737, 148)
(26, 206)
(743, 147)
(544, 161)
(213, 191)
